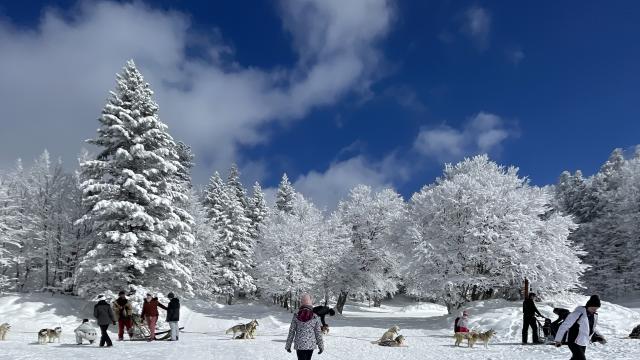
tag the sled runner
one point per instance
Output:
(141, 331)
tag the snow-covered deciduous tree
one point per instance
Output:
(371, 269)
(285, 196)
(134, 195)
(10, 234)
(299, 253)
(480, 230)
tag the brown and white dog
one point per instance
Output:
(49, 335)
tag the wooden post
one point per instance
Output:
(526, 288)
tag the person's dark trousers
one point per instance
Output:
(105, 336)
(577, 352)
(530, 321)
(304, 354)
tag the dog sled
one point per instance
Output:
(141, 331)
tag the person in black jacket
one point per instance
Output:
(322, 311)
(104, 316)
(529, 312)
(173, 315)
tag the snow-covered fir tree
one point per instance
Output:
(258, 211)
(132, 192)
(372, 269)
(286, 194)
(233, 181)
(10, 234)
(234, 246)
(213, 196)
(480, 230)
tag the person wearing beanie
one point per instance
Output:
(173, 314)
(529, 312)
(150, 314)
(85, 332)
(305, 330)
(123, 310)
(580, 329)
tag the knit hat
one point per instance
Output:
(305, 299)
(594, 301)
(85, 321)
(100, 297)
(122, 292)
(170, 295)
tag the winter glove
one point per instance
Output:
(288, 350)
(320, 351)
(114, 323)
(558, 344)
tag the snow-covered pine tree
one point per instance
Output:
(130, 189)
(213, 200)
(285, 196)
(233, 181)
(235, 253)
(480, 230)
(258, 211)
(373, 265)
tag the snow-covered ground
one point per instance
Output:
(426, 326)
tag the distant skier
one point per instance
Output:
(305, 331)
(581, 328)
(85, 332)
(173, 314)
(104, 316)
(150, 313)
(323, 311)
(529, 312)
(124, 311)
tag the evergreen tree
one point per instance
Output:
(233, 181)
(234, 248)
(133, 193)
(213, 200)
(285, 196)
(257, 211)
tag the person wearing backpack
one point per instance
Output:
(124, 311)
(580, 328)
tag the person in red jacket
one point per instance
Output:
(150, 313)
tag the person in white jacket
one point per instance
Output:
(85, 332)
(580, 327)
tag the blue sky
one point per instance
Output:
(382, 92)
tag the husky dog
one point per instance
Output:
(248, 330)
(324, 329)
(397, 342)
(390, 334)
(4, 329)
(485, 337)
(49, 335)
(461, 336)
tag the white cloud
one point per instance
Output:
(477, 25)
(56, 77)
(327, 188)
(483, 133)
(515, 56)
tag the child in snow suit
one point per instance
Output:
(86, 332)
(581, 328)
(124, 311)
(305, 331)
(173, 314)
(104, 316)
(150, 313)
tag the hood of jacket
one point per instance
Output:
(305, 313)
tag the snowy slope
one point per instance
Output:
(426, 326)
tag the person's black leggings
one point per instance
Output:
(304, 354)
(577, 352)
(105, 336)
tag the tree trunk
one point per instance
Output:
(377, 301)
(526, 288)
(229, 299)
(342, 300)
